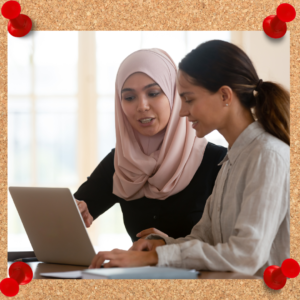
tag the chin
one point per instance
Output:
(147, 132)
(200, 134)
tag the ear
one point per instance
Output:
(226, 95)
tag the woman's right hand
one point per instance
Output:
(148, 231)
(147, 245)
(87, 218)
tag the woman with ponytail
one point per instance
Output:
(245, 224)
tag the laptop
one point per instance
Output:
(54, 225)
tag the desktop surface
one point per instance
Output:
(40, 267)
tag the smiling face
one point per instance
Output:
(200, 106)
(145, 105)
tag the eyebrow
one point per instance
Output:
(185, 93)
(145, 87)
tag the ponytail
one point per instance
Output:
(216, 63)
(272, 110)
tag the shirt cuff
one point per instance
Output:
(169, 256)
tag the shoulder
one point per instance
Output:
(214, 152)
(268, 149)
(109, 159)
(110, 156)
(106, 165)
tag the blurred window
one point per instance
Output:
(42, 117)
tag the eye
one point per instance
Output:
(129, 98)
(187, 101)
(153, 94)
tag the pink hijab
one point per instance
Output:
(162, 165)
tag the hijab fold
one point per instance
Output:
(164, 164)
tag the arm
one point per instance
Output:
(264, 205)
(96, 192)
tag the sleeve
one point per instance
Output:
(264, 206)
(97, 190)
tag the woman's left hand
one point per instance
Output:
(122, 258)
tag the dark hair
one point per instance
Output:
(216, 63)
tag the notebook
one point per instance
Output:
(139, 273)
(128, 273)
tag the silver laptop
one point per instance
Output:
(54, 225)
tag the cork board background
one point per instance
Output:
(138, 15)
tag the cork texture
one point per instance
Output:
(225, 15)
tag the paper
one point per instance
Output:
(71, 274)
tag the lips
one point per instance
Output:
(146, 118)
(194, 123)
(147, 123)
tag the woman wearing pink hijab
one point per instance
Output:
(159, 172)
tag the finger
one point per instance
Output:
(159, 232)
(118, 251)
(107, 265)
(139, 246)
(89, 221)
(99, 262)
(112, 264)
(102, 256)
(78, 202)
(93, 261)
(144, 236)
(145, 232)
(85, 214)
(81, 207)
(85, 219)
(97, 257)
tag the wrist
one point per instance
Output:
(153, 258)
(162, 242)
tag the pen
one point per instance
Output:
(27, 259)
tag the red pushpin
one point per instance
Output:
(275, 277)
(21, 272)
(19, 24)
(275, 26)
(9, 287)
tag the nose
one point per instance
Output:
(143, 104)
(183, 111)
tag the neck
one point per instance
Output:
(236, 123)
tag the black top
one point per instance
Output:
(175, 216)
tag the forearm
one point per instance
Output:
(170, 240)
(197, 255)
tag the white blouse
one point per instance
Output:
(245, 225)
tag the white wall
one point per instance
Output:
(271, 57)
